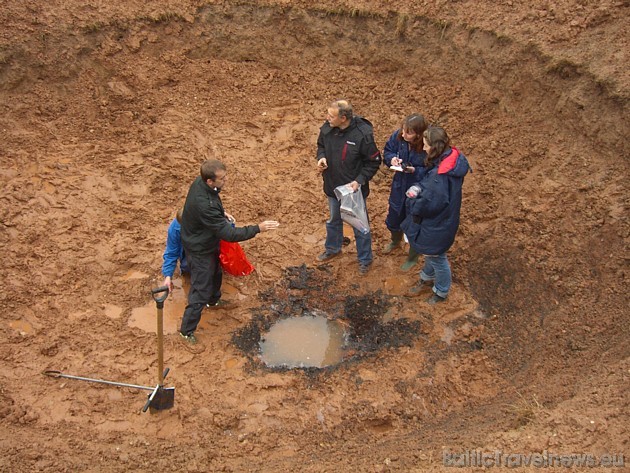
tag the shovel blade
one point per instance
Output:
(161, 398)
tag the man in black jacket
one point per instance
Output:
(346, 155)
(204, 224)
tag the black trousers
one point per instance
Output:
(206, 277)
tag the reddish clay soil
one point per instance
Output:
(107, 110)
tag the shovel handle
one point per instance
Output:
(160, 290)
(59, 374)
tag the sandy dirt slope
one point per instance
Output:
(107, 110)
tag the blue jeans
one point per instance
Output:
(437, 269)
(334, 234)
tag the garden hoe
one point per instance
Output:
(160, 397)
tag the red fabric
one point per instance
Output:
(233, 259)
(448, 163)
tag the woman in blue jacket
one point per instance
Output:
(403, 149)
(433, 216)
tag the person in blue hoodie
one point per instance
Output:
(404, 151)
(433, 215)
(174, 252)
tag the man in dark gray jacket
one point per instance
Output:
(346, 155)
(204, 224)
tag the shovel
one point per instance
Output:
(160, 397)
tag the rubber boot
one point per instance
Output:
(411, 261)
(397, 237)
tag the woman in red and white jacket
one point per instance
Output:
(433, 215)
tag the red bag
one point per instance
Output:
(233, 259)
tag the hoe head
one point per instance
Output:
(160, 398)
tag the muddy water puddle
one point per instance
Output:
(145, 317)
(303, 342)
(291, 328)
(22, 326)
